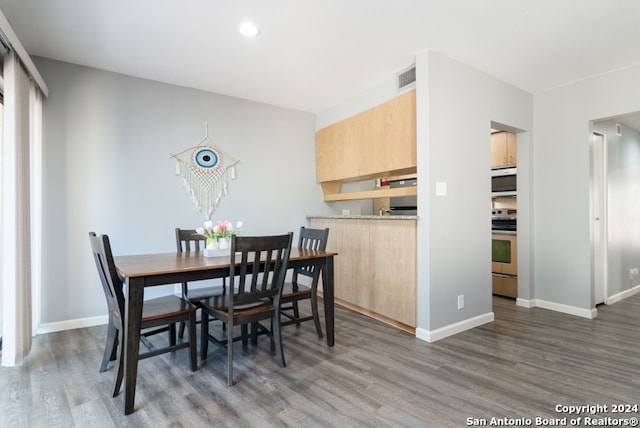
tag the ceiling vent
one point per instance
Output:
(406, 78)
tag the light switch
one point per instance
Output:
(441, 188)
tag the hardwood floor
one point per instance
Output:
(521, 366)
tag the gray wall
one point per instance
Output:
(107, 139)
(456, 107)
(561, 223)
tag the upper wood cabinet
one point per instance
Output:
(503, 149)
(378, 142)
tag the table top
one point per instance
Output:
(163, 263)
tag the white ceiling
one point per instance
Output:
(313, 54)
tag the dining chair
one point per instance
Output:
(188, 240)
(162, 312)
(256, 274)
(295, 291)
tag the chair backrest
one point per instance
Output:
(111, 282)
(188, 240)
(311, 239)
(258, 268)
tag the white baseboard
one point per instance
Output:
(525, 303)
(450, 330)
(622, 295)
(72, 324)
(566, 309)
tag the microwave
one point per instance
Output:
(504, 182)
(403, 205)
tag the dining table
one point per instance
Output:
(148, 270)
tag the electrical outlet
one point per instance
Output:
(461, 301)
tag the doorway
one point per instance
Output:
(504, 266)
(615, 207)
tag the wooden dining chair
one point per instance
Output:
(162, 312)
(188, 240)
(295, 291)
(256, 274)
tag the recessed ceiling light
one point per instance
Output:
(248, 29)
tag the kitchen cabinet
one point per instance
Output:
(376, 143)
(503, 149)
(375, 271)
(505, 285)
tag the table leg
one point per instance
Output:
(328, 292)
(132, 321)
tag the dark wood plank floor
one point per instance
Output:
(521, 366)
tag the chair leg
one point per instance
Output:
(254, 333)
(244, 332)
(229, 356)
(204, 335)
(120, 373)
(111, 347)
(316, 315)
(296, 312)
(193, 351)
(182, 327)
(172, 334)
(277, 338)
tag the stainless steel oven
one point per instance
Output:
(504, 254)
(504, 182)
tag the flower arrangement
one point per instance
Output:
(222, 229)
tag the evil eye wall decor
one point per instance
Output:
(206, 157)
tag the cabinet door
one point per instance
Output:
(503, 149)
(393, 269)
(337, 151)
(326, 153)
(498, 149)
(400, 133)
(512, 158)
(352, 267)
(505, 286)
(350, 239)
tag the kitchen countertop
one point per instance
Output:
(367, 217)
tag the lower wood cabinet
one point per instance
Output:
(505, 285)
(375, 270)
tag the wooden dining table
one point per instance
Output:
(148, 270)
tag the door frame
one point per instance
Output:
(598, 217)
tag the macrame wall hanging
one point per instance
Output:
(205, 173)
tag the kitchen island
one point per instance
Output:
(376, 271)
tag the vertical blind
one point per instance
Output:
(20, 196)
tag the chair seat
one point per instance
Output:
(195, 294)
(165, 307)
(218, 306)
(288, 293)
